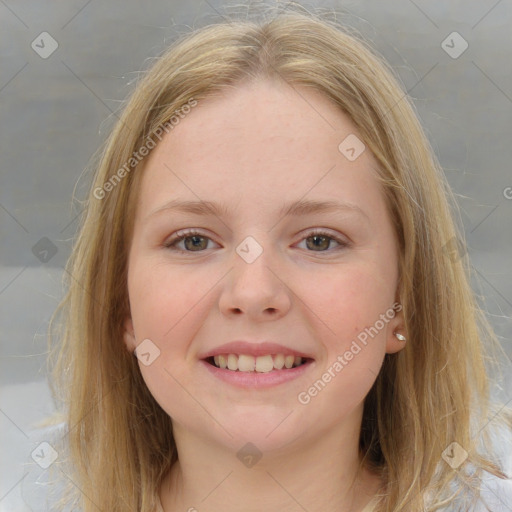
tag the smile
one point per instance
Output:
(260, 364)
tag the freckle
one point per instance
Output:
(357, 330)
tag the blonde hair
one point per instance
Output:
(425, 397)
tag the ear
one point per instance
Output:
(396, 326)
(129, 335)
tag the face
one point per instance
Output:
(321, 283)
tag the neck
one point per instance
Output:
(308, 474)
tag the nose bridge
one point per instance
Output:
(253, 263)
(254, 287)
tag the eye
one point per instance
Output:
(319, 241)
(194, 241)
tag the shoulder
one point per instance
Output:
(493, 493)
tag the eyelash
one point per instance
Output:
(182, 235)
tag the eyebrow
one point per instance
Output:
(297, 208)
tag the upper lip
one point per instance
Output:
(253, 349)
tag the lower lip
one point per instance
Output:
(256, 379)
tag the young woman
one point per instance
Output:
(265, 309)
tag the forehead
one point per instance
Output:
(258, 145)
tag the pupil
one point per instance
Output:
(195, 241)
(316, 238)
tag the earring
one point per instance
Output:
(401, 337)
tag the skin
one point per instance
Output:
(256, 148)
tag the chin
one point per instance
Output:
(266, 434)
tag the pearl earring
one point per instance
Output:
(401, 337)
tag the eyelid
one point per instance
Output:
(341, 238)
(178, 236)
(342, 241)
(184, 233)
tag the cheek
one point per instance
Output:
(336, 303)
(162, 301)
(168, 310)
(349, 299)
(348, 324)
(348, 309)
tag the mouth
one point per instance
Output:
(260, 364)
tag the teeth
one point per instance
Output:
(264, 364)
(260, 364)
(232, 362)
(246, 363)
(278, 361)
(288, 361)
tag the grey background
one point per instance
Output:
(55, 112)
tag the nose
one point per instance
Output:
(256, 289)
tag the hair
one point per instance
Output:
(431, 393)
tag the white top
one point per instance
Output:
(37, 494)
